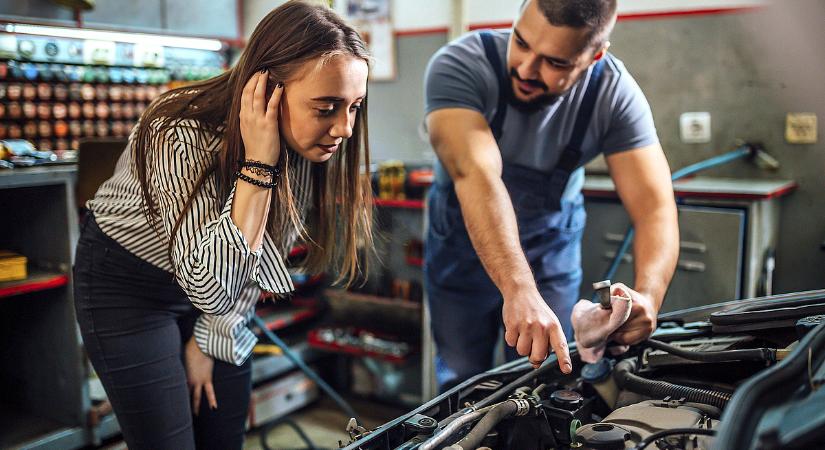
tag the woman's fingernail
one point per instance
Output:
(568, 367)
(279, 85)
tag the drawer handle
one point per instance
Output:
(691, 266)
(686, 265)
(697, 247)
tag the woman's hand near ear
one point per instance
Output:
(262, 142)
(259, 120)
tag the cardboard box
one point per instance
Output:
(12, 266)
(280, 397)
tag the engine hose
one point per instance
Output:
(527, 379)
(661, 389)
(456, 424)
(500, 412)
(752, 354)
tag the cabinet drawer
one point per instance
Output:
(710, 258)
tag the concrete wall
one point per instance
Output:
(408, 15)
(748, 69)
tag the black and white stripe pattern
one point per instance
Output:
(211, 259)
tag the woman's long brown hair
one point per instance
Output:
(340, 217)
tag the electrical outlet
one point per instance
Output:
(694, 127)
(800, 128)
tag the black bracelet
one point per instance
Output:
(259, 168)
(259, 183)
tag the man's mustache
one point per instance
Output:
(535, 83)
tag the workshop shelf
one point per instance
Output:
(279, 317)
(42, 366)
(21, 429)
(372, 300)
(267, 367)
(383, 314)
(415, 261)
(408, 204)
(352, 344)
(37, 280)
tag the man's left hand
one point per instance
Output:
(642, 321)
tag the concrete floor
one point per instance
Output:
(324, 424)
(322, 421)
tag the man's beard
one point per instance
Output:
(540, 102)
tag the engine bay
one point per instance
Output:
(697, 385)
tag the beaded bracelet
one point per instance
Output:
(263, 184)
(259, 168)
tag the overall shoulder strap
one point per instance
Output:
(491, 52)
(571, 156)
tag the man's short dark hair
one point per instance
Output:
(596, 15)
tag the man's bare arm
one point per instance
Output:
(642, 179)
(466, 147)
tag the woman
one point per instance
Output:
(219, 179)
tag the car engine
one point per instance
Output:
(685, 388)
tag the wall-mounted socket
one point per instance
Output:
(800, 128)
(694, 127)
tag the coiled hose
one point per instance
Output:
(661, 389)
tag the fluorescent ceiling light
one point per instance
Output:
(134, 38)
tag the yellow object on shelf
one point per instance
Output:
(391, 178)
(267, 349)
(12, 266)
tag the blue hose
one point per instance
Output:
(302, 365)
(740, 152)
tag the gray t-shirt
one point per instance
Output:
(459, 76)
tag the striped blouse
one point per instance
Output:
(211, 259)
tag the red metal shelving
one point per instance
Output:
(37, 281)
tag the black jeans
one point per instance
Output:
(135, 320)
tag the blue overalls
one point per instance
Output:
(465, 305)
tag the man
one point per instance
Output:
(512, 117)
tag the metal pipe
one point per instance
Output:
(455, 425)
(502, 411)
(306, 369)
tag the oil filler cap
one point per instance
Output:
(602, 436)
(566, 399)
(596, 372)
